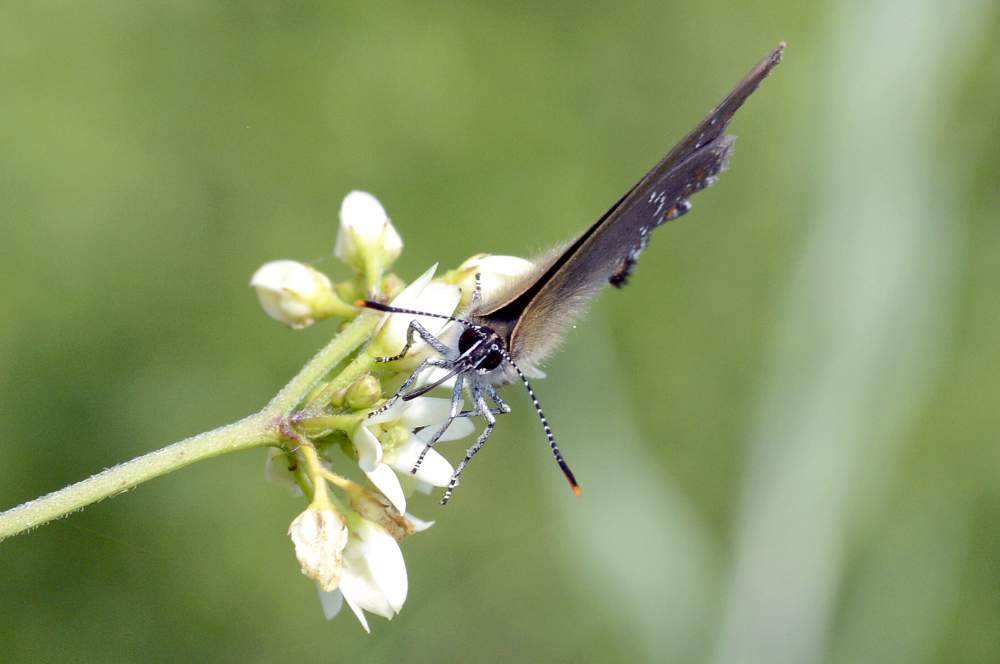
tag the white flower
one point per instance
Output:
(292, 293)
(320, 538)
(373, 578)
(366, 235)
(406, 427)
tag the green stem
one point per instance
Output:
(247, 433)
(349, 339)
(314, 426)
(263, 428)
(358, 367)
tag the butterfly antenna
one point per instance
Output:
(420, 391)
(545, 425)
(389, 309)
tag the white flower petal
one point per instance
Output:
(424, 488)
(387, 482)
(410, 295)
(459, 428)
(434, 469)
(433, 375)
(423, 412)
(359, 585)
(393, 412)
(421, 295)
(385, 562)
(393, 330)
(332, 601)
(438, 298)
(419, 525)
(368, 447)
(356, 609)
(362, 593)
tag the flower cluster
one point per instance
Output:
(347, 540)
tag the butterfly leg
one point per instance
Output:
(502, 407)
(456, 407)
(412, 330)
(416, 328)
(480, 402)
(478, 413)
(426, 364)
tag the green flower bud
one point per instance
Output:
(363, 393)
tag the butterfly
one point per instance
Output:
(522, 325)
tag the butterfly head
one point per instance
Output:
(483, 347)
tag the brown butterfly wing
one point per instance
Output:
(537, 313)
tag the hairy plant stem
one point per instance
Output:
(261, 429)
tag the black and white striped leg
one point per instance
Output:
(416, 328)
(426, 364)
(502, 406)
(480, 402)
(456, 409)
(478, 413)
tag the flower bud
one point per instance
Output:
(363, 393)
(367, 240)
(495, 273)
(294, 293)
(320, 536)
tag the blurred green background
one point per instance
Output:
(786, 426)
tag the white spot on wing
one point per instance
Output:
(660, 198)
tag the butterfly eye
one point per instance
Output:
(470, 337)
(493, 358)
